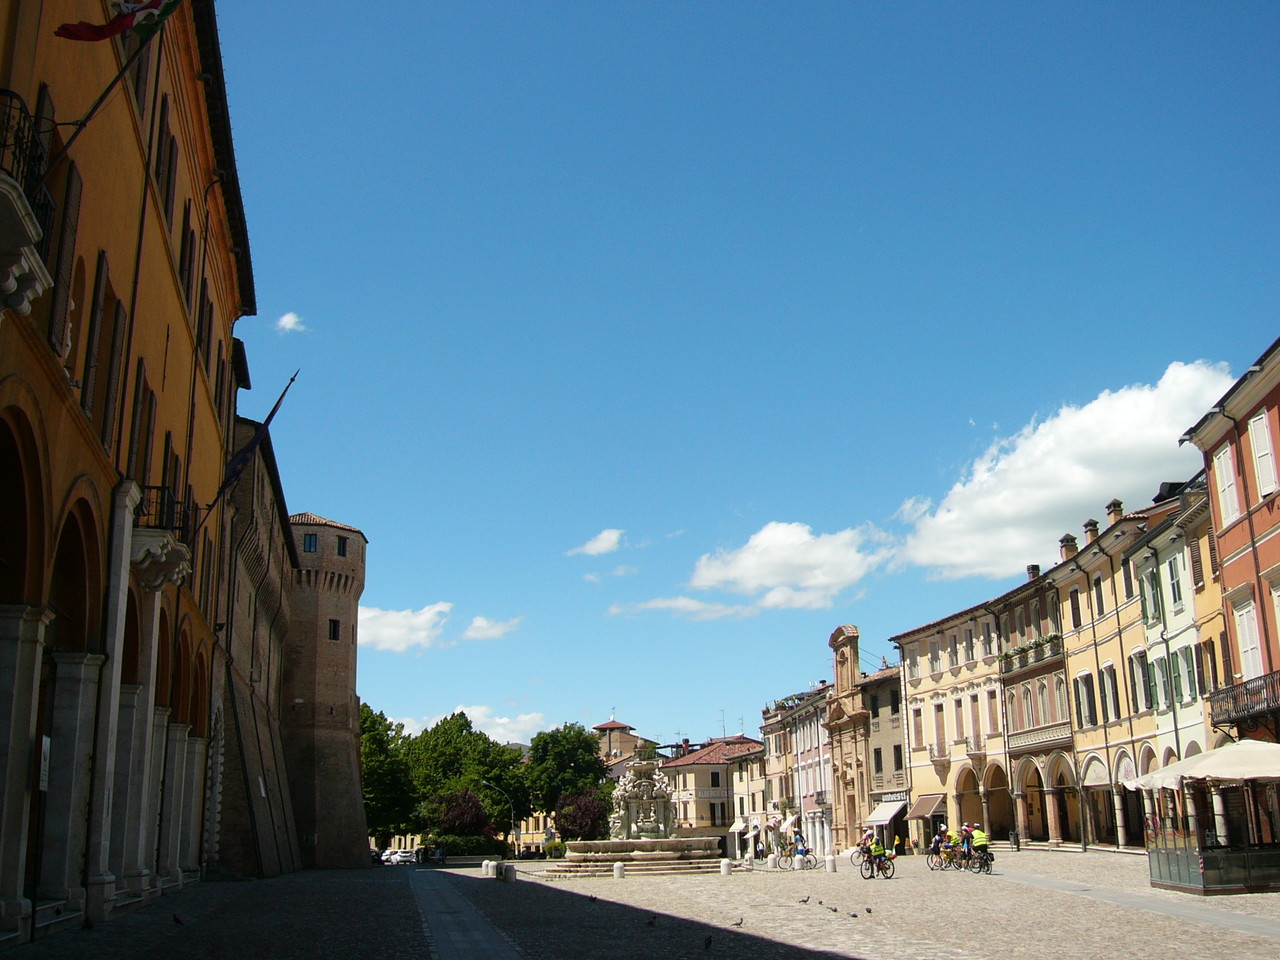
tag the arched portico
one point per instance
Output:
(998, 818)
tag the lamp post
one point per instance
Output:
(515, 830)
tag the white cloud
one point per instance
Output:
(1026, 490)
(686, 607)
(290, 323)
(482, 628)
(606, 541)
(623, 571)
(401, 630)
(591, 577)
(786, 566)
(519, 729)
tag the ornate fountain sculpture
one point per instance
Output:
(642, 826)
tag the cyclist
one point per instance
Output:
(978, 838)
(877, 851)
(799, 844)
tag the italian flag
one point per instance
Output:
(143, 18)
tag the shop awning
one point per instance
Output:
(884, 812)
(788, 823)
(738, 826)
(926, 806)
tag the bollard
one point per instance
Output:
(508, 871)
(486, 868)
(726, 867)
(619, 871)
(772, 862)
(831, 864)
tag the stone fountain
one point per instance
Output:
(642, 825)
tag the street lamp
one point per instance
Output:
(515, 830)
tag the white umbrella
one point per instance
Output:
(1245, 760)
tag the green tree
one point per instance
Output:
(583, 816)
(384, 775)
(564, 762)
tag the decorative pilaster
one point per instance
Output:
(1219, 815)
(193, 805)
(1052, 803)
(173, 805)
(21, 646)
(1117, 805)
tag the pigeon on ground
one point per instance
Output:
(738, 922)
(805, 900)
(706, 944)
(834, 909)
(593, 898)
(819, 903)
(868, 909)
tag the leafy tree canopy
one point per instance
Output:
(564, 762)
(384, 775)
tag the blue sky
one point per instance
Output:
(649, 342)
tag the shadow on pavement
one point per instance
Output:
(553, 923)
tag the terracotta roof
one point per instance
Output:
(312, 519)
(724, 750)
(882, 674)
(613, 725)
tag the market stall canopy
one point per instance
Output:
(926, 806)
(1237, 762)
(884, 812)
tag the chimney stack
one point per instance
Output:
(1115, 510)
(1090, 531)
(1067, 546)
(1033, 570)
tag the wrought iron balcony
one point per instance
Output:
(1241, 701)
(160, 509)
(26, 207)
(820, 798)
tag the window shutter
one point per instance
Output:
(1213, 554)
(90, 379)
(65, 262)
(1264, 462)
(111, 397)
(1197, 562)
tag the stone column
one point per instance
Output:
(1021, 816)
(1193, 813)
(99, 880)
(1117, 805)
(135, 803)
(1219, 815)
(1052, 799)
(173, 805)
(986, 813)
(155, 791)
(21, 648)
(75, 692)
(193, 804)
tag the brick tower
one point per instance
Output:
(321, 715)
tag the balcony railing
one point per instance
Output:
(1039, 735)
(939, 751)
(820, 798)
(22, 158)
(1243, 700)
(976, 745)
(160, 509)
(1036, 652)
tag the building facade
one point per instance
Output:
(703, 788)
(798, 760)
(1238, 440)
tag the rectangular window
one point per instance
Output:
(913, 663)
(877, 760)
(875, 705)
(917, 726)
(1127, 569)
(895, 701)
(335, 630)
(1224, 478)
(308, 543)
(897, 756)
(935, 657)
(1151, 596)
(1098, 606)
(959, 709)
(968, 645)
(342, 546)
(993, 711)
(1264, 461)
(1175, 583)
(939, 725)
(1075, 609)
(1197, 563)
(952, 651)
(1246, 617)
(715, 778)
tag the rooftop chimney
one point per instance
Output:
(1115, 510)
(1033, 570)
(1067, 546)
(1090, 531)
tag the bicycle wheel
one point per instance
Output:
(975, 864)
(986, 864)
(809, 862)
(784, 862)
(886, 869)
(857, 855)
(934, 860)
(868, 870)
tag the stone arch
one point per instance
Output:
(968, 799)
(1146, 759)
(22, 511)
(999, 812)
(164, 662)
(75, 584)
(1193, 749)
(1170, 756)
(1033, 820)
(199, 697)
(1065, 787)
(181, 682)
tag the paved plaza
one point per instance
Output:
(1037, 904)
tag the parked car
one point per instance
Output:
(388, 856)
(403, 856)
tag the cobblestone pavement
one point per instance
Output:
(1065, 905)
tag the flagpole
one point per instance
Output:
(237, 463)
(84, 121)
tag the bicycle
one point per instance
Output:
(800, 861)
(946, 859)
(881, 866)
(980, 862)
(858, 854)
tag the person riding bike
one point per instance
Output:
(940, 840)
(978, 838)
